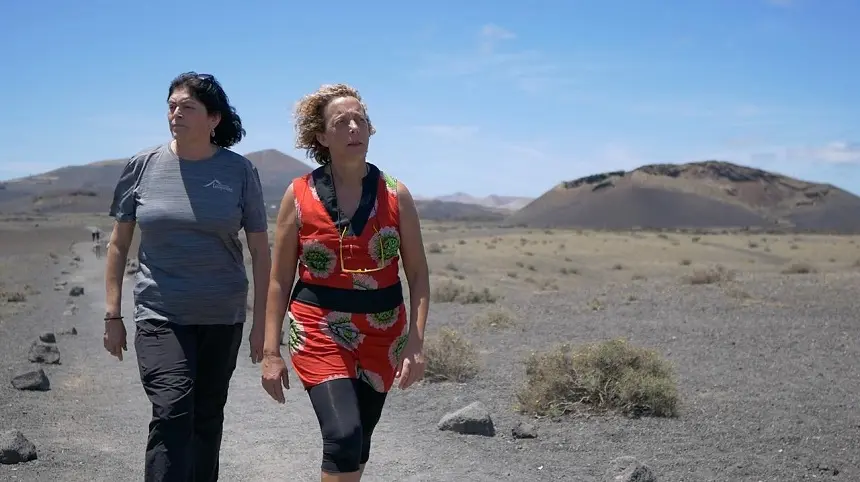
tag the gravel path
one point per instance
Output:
(769, 389)
(92, 424)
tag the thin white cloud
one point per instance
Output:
(700, 110)
(837, 152)
(491, 35)
(530, 71)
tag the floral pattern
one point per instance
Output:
(383, 320)
(327, 344)
(318, 258)
(297, 335)
(361, 281)
(395, 352)
(384, 245)
(390, 183)
(340, 328)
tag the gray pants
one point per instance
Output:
(185, 371)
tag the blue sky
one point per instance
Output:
(480, 96)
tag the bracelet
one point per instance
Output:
(108, 318)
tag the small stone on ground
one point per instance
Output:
(628, 469)
(44, 353)
(473, 419)
(524, 430)
(31, 380)
(15, 448)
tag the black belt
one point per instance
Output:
(349, 300)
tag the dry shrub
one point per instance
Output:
(599, 377)
(718, 274)
(13, 297)
(448, 291)
(495, 318)
(450, 357)
(799, 268)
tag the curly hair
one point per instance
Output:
(310, 119)
(207, 89)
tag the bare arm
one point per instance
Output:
(261, 263)
(284, 260)
(117, 255)
(414, 262)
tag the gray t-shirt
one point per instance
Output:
(189, 213)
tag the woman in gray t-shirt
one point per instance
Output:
(190, 198)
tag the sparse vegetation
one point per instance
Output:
(13, 297)
(799, 268)
(495, 318)
(718, 274)
(599, 377)
(450, 357)
(448, 291)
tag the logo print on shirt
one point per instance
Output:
(216, 184)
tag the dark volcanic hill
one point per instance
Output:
(89, 187)
(710, 194)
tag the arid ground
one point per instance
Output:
(761, 332)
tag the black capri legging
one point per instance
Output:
(348, 411)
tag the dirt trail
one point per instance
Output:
(92, 425)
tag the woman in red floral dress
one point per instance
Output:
(347, 225)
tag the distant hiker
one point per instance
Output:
(95, 235)
(190, 197)
(346, 224)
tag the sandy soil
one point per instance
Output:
(765, 365)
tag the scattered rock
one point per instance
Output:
(524, 430)
(628, 469)
(14, 297)
(44, 353)
(48, 337)
(15, 448)
(32, 380)
(68, 331)
(76, 291)
(473, 419)
(70, 310)
(77, 258)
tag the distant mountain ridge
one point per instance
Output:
(89, 188)
(510, 203)
(59, 190)
(707, 194)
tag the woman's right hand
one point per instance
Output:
(275, 375)
(115, 338)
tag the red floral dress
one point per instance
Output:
(347, 318)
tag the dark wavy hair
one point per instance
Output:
(206, 89)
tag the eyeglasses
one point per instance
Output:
(361, 270)
(206, 77)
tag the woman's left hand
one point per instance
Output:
(256, 339)
(411, 367)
